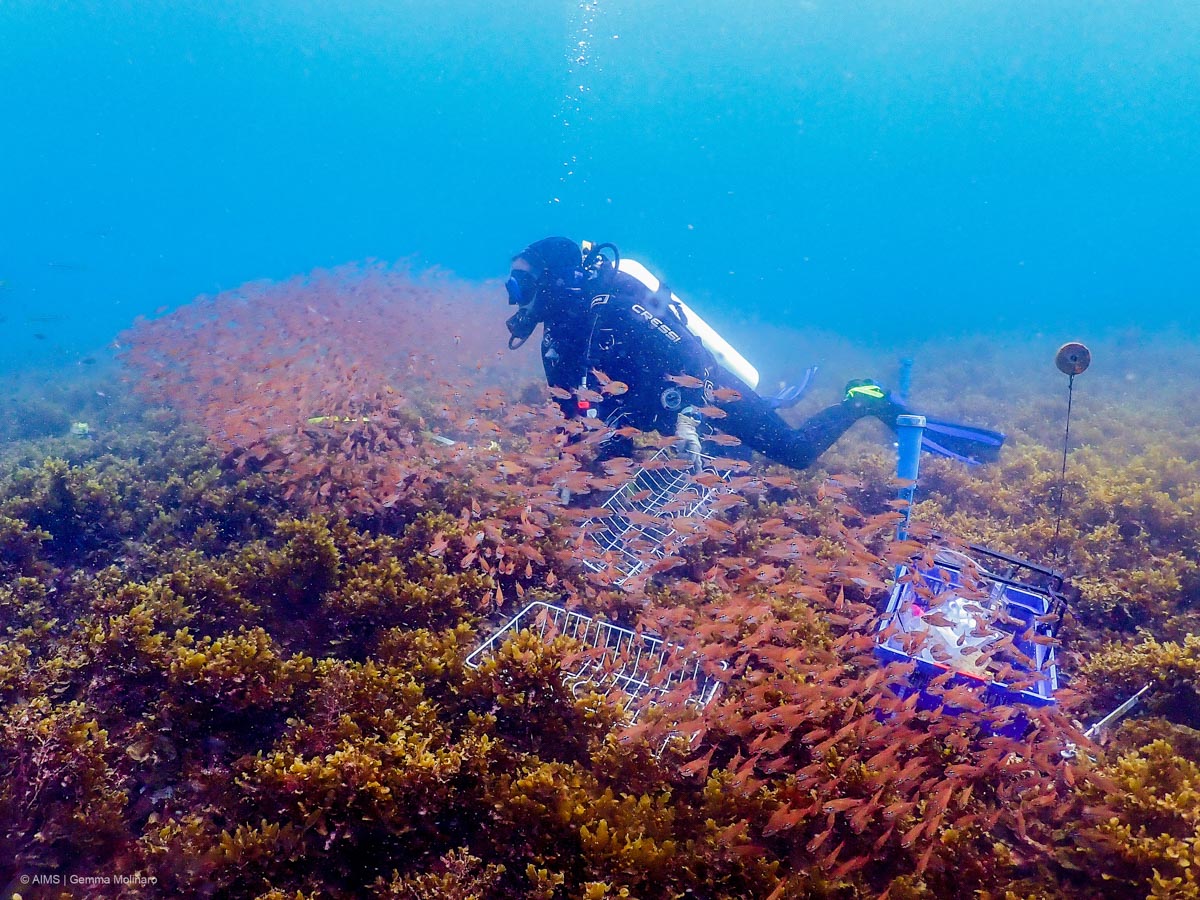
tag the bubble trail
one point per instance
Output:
(573, 113)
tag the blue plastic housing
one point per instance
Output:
(970, 620)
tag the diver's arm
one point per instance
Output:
(561, 370)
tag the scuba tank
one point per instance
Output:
(730, 360)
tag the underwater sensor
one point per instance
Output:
(1073, 359)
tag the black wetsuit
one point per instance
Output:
(617, 326)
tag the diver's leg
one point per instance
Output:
(757, 425)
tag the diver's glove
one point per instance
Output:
(864, 395)
(687, 438)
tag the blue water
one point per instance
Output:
(874, 169)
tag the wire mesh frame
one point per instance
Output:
(614, 659)
(660, 491)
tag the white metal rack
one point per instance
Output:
(638, 666)
(659, 489)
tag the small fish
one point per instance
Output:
(724, 440)
(686, 381)
(911, 835)
(783, 819)
(846, 481)
(820, 839)
(698, 766)
(439, 545)
(937, 620)
(727, 395)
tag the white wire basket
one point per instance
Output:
(639, 668)
(657, 489)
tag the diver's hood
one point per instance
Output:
(553, 257)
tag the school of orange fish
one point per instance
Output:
(376, 394)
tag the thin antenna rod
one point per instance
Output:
(1062, 478)
(1072, 359)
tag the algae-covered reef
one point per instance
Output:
(233, 658)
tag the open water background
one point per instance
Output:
(883, 172)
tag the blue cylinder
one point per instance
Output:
(905, 383)
(909, 431)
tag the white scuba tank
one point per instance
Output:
(728, 357)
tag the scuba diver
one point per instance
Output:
(608, 315)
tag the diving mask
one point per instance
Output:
(522, 287)
(525, 293)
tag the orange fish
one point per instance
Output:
(724, 440)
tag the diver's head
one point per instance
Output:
(543, 274)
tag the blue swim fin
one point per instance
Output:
(968, 444)
(790, 394)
